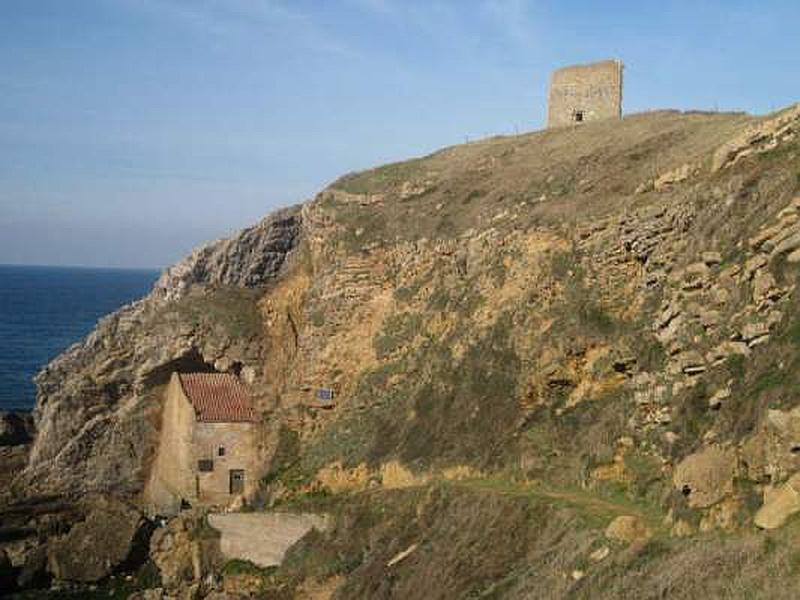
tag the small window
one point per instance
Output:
(578, 116)
(325, 397)
(205, 465)
(325, 394)
(221, 451)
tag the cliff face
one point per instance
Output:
(600, 321)
(98, 403)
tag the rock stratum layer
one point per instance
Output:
(536, 334)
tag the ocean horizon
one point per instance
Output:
(45, 309)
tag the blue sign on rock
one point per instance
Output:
(325, 395)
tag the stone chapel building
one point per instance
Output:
(208, 453)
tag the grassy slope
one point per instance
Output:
(495, 537)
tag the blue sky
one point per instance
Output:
(133, 130)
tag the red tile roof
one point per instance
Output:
(218, 397)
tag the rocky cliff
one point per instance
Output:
(546, 333)
(98, 403)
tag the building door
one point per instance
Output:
(237, 481)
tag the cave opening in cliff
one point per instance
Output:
(191, 362)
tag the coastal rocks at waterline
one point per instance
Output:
(112, 533)
(7, 581)
(16, 428)
(60, 541)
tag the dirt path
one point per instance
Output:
(262, 538)
(586, 502)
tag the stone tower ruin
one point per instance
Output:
(582, 93)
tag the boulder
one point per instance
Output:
(644, 187)
(754, 332)
(627, 529)
(709, 318)
(33, 573)
(16, 428)
(772, 452)
(717, 398)
(780, 503)
(752, 265)
(726, 349)
(691, 362)
(600, 554)
(788, 244)
(186, 550)
(95, 547)
(706, 477)
(698, 269)
(6, 572)
(764, 286)
(667, 180)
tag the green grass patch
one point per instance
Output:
(439, 299)
(398, 331)
(233, 310)
(692, 417)
(311, 501)
(581, 311)
(317, 318)
(380, 179)
(245, 567)
(766, 381)
(596, 510)
(285, 459)
(792, 333)
(736, 364)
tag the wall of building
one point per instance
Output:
(172, 477)
(595, 90)
(241, 452)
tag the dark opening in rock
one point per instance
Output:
(236, 368)
(191, 362)
(686, 490)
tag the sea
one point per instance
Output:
(44, 310)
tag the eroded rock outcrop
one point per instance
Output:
(760, 138)
(780, 503)
(111, 534)
(706, 477)
(98, 404)
(15, 428)
(186, 551)
(252, 258)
